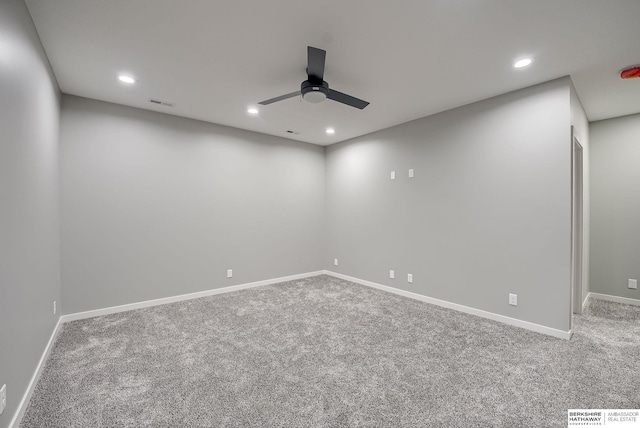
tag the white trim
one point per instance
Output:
(616, 299)
(15, 422)
(181, 297)
(460, 308)
(22, 407)
(586, 301)
(17, 418)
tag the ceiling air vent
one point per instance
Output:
(161, 103)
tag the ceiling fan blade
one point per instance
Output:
(280, 98)
(315, 64)
(347, 99)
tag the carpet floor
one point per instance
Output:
(323, 352)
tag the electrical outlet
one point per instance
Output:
(513, 299)
(335, 262)
(633, 284)
(410, 277)
(54, 308)
(392, 175)
(411, 173)
(392, 274)
(3, 398)
(229, 273)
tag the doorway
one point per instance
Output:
(577, 225)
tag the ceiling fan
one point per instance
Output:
(315, 89)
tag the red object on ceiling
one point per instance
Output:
(630, 73)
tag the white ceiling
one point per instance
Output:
(408, 58)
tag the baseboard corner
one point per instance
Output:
(549, 331)
(24, 402)
(178, 298)
(586, 302)
(615, 299)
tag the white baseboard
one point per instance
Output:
(616, 299)
(179, 298)
(17, 417)
(15, 422)
(585, 302)
(461, 308)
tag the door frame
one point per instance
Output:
(577, 224)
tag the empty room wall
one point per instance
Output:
(487, 214)
(615, 206)
(155, 205)
(29, 227)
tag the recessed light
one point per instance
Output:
(126, 79)
(522, 63)
(252, 110)
(331, 131)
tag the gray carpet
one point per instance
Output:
(323, 352)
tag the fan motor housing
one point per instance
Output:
(313, 92)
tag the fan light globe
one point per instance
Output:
(315, 96)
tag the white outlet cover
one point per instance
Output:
(392, 274)
(633, 284)
(513, 299)
(3, 398)
(335, 262)
(411, 173)
(409, 277)
(54, 307)
(393, 175)
(229, 273)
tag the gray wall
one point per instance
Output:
(156, 205)
(581, 129)
(488, 212)
(615, 205)
(29, 229)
